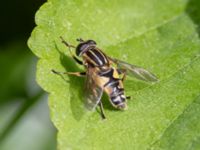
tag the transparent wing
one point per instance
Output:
(93, 93)
(136, 71)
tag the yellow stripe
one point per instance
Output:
(96, 57)
(90, 60)
(115, 74)
(104, 55)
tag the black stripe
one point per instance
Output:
(95, 57)
(107, 73)
(117, 92)
(121, 98)
(112, 83)
(115, 102)
(119, 101)
(92, 57)
(100, 55)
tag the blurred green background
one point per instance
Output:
(24, 115)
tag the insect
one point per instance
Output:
(103, 75)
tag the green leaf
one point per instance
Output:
(154, 34)
(183, 133)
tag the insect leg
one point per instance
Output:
(124, 77)
(77, 60)
(102, 110)
(72, 55)
(78, 74)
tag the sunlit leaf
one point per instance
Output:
(157, 35)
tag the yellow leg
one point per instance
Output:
(78, 74)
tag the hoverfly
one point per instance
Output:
(102, 76)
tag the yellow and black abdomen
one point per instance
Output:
(114, 89)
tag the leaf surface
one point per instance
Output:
(156, 35)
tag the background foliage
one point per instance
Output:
(155, 34)
(24, 114)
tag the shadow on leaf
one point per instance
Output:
(192, 9)
(76, 85)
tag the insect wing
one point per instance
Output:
(93, 93)
(136, 71)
